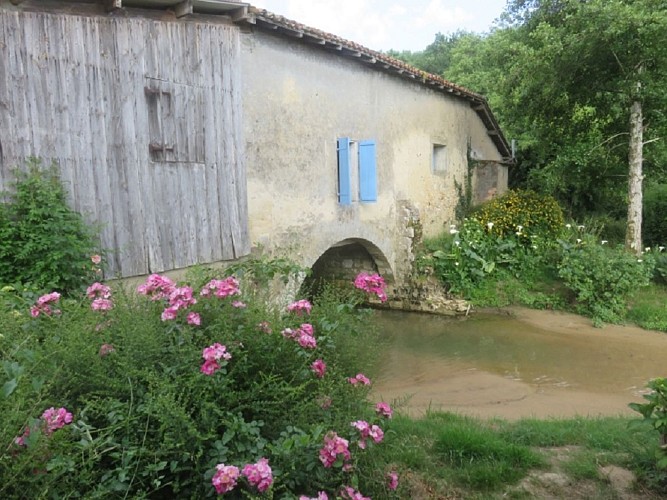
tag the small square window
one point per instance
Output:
(439, 159)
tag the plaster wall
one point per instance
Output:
(297, 100)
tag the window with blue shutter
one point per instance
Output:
(367, 172)
(344, 178)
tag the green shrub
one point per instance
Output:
(527, 212)
(148, 423)
(654, 227)
(660, 272)
(476, 251)
(602, 277)
(43, 241)
(654, 412)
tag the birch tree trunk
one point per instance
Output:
(633, 235)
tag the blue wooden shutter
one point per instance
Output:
(344, 180)
(368, 190)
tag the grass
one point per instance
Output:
(451, 455)
(647, 308)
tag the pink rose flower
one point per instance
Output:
(384, 410)
(300, 307)
(359, 378)
(194, 318)
(225, 478)
(392, 480)
(319, 367)
(259, 474)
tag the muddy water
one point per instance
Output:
(532, 363)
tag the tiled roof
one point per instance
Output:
(280, 25)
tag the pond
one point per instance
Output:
(522, 364)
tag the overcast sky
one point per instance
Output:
(389, 24)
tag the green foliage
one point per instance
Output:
(654, 412)
(654, 227)
(148, 423)
(560, 76)
(660, 273)
(525, 212)
(602, 278)
(476, 251)
(43, 241)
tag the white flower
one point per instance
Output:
(453, 231)
(647, 249)
(578, 240)
(457, 242)
(568, 226)
(580, 227)
(519, 228)
(604, 242)
(660, 249)
(489, 225)
(640, 260)
(535, 247)
(518, 233)
(456, 263)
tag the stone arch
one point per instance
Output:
(347, 258)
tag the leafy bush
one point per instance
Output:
(654, 412)
(476, 251)
(654, 227)
(602, 277)
(165, 388)
(535, 214)
(43, 241)
(660, 272)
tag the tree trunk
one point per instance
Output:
(633, 235)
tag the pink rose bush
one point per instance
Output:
(371, 284)
(225, 478)
(156, 287)
(264, 365)
(320, 496)
(304, 335)
(384, 410)
(51, 421)
(221, 288)
(392, 480)
(178, 299)
(212, 354)
(43, 305)
(349, 493)
(366, 431)
(360, 379)
(300, 307)
(101, 295)
(259, 475)
(319, 368)
(334, 447)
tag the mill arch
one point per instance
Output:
(344, 260)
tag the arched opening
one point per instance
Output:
(343, 261)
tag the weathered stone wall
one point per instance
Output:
(298, 99)
(489, 181)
